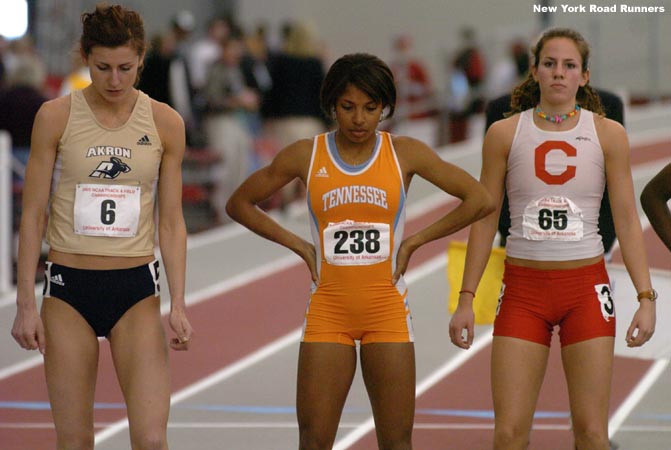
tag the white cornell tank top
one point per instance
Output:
(555, 181)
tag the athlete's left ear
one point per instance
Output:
(585, 78)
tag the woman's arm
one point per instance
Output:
(290, 163)
(171, 226)
(615, 146)
(481, 236)
(654, 199)
(48, 127)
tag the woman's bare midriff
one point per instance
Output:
(96, 262)
(553, 265)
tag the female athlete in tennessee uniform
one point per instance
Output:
(357, 179)
(553, 156)
(357, 215)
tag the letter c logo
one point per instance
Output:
(539, 162)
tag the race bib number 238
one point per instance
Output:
(350, 243)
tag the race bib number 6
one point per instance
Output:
(352, 243)
(107, 210)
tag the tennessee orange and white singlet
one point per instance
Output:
(357, 216)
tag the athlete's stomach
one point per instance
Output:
(97, 262)
(553, 265)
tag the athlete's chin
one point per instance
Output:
(359, 135)
(115, 94)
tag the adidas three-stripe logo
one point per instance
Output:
(144, 140)
(322, 173)
(58, 279)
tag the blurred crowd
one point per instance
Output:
(244, 96)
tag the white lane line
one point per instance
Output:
(447, 368)
(239, 280)
(636, 395)
(425, 269)
(19, 367)
(41, 425)
(343, 425)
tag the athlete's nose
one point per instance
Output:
(115, 78)
(358, 117)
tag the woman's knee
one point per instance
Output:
(402, 441)
(510, 437)
(591, 437)
(150, 440)
(80, 440)
(311, 440)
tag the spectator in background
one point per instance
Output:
(179, 79)
(206, 50)
(78, 78)
(291, 108)
(255, 61)
(20, 101)
(3, 54)
(254, 66)
(469, 66)
(228, 100)
(156, 71)
(415, 92)
(509, 70)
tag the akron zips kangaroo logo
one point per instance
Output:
(112, 168)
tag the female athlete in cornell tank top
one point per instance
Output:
(357, 179)
(107, 152)
(553, 156)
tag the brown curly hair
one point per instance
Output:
(527, 94)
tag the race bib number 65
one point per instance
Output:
(553, 219)
(107, 210)
(350, 243)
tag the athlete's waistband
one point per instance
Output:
(54, 265)
(555, 274)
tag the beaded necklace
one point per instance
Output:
(556, 118)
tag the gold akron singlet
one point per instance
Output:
(104, 183)
(357, 219)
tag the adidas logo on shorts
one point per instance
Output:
(57, 279)
(322, 173)
(144, 140)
